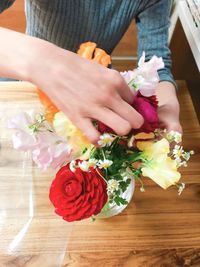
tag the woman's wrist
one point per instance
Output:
(166, 94)
(168, 111)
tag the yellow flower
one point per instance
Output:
(64, 128)
(160, 167)
(154, 149)
(163, 172)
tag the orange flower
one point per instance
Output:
(50, 108)
(86, 50)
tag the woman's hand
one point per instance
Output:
(82, 89)
(168, 110)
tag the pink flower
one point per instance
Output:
(133, 79)
(35, 134)
(51, 151)
(149, 71)
(147, 107)
(128, 75)
(145, 78)
(23, 139)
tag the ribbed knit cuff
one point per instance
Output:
(165, 75)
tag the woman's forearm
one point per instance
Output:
(17, 52)
(82, 89)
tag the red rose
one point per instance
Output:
(147, 107)
(78, 195)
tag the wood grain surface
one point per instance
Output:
(159, 228)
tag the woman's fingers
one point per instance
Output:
(122, 87)
(119, 125)
(127, 112)
(86, 126)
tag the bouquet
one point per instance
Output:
(91, 180)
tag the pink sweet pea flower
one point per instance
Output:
(51, 151)
(35, 134)
(145, 78)
(23, 139)
(149, 71)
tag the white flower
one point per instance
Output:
(92, 163)
(105, 140)
(178, 152)
(191, 152)
(72, 165)
(181, 188)
(131, 141)
(112, 185)
(181, 156)
(186, 155)
(174, 136)
(184, 164)
(105, 163)
(84, 166)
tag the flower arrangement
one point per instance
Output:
(92, 179)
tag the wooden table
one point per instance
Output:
(159, 228)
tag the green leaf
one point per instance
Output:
(120, 201)
(106, 207)
(124, 184)
(84, 150)
(135, 156)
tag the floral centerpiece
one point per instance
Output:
(99, 180)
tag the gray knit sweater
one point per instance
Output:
(68, 23)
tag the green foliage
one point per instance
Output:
(120, 201)
(121, 170)
(124, 184)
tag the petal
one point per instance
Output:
(23, 141)
(21, 121)
(164, 172)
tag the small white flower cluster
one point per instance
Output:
(174, 136)
(181, 156)
(112, 186)
(85, 165)
(105, 139)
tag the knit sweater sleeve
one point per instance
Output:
(153, 25)
(4, 4)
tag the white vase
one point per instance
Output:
(113, 209)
